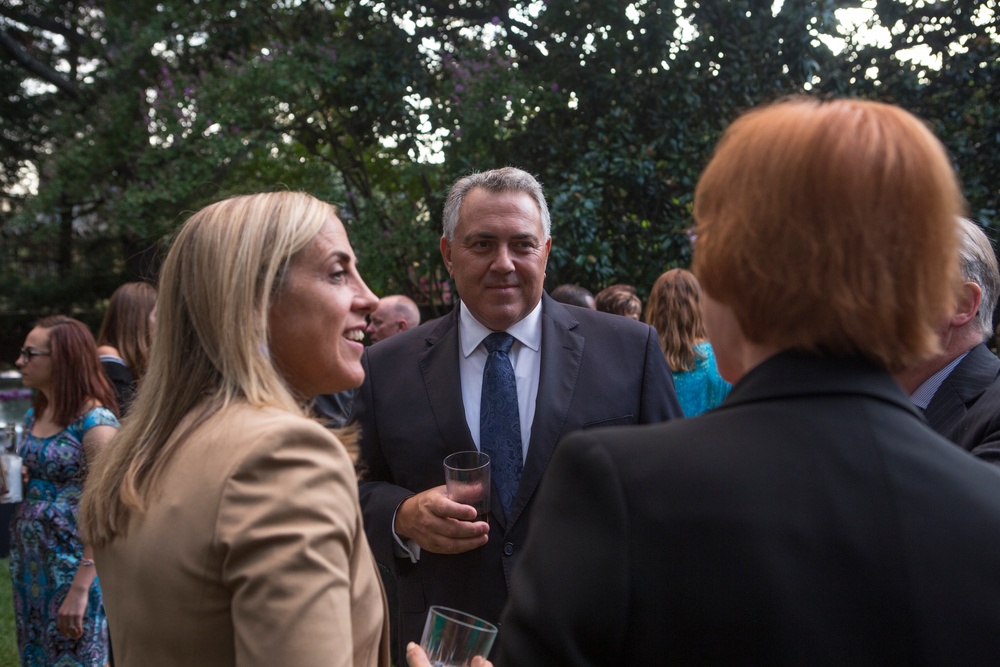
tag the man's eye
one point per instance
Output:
(338, 276)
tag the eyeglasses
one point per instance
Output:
(30, 354)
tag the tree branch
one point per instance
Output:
(43, 23)
(37, 68)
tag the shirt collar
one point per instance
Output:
(527, 331)
(922, 395)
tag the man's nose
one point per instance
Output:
(504, 260)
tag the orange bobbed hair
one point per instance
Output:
(831, 226)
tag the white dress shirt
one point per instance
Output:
(922, 395)
(525, 357)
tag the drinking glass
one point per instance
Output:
(467, 476)
(453, 638)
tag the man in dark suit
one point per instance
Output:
(426, 395)
(959, 390)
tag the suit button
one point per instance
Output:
(508, 549)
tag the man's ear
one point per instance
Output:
(446, 253)
(970, 295)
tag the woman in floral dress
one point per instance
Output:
(57, 599)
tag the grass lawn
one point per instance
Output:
(8, 642)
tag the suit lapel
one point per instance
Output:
(562, 352)
(442, 380)
(974, 374)
(963, 386)
(945, 409)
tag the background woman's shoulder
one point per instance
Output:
(97, 416)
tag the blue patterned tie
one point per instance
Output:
(500, 425)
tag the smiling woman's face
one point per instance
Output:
(317, 318)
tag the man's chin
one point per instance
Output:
(501, 318)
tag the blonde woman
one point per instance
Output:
(674, 310)
(225, 523)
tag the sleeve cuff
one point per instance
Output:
(404, 548)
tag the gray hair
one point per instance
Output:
(506, 179)
(979, 265)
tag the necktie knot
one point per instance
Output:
(501, 341)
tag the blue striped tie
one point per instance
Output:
(500, 425)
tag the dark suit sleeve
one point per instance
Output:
(569, 594)
(982, 427)
(659, 399)
(988, 449)
(966, 407)
(379, 495)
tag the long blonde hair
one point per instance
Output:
(210, 346)
(674, 310)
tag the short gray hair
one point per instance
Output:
(506, 179)
(979, 265)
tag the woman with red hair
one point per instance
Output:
(57, 599)
(813, 518)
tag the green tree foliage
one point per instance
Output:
(632, 96)
(954, 84)
(130, 116)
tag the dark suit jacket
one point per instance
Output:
(812, 519)
(596, 369)
(966, 408)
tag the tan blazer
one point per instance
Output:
(251, 553)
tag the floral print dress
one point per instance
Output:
(46, 548)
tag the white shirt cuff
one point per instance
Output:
(404, 548)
